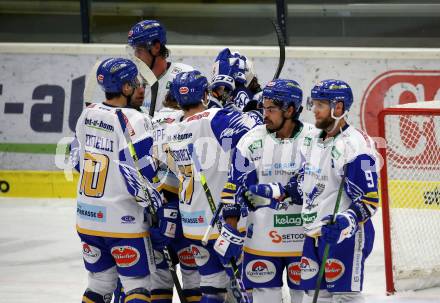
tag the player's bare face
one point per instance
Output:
(138, 96)
(322, 111)
(273, 115)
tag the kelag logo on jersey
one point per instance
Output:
(400, 87)
(260, 271)
(196, 218)
(91, 212)
(287, 220)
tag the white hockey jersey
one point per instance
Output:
(269, 159)
(323, 170)
(161, 120)
(108, 181)
(164, 84)
(213, 133)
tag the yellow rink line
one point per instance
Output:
(37, 184)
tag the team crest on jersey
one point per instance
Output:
(311, 196)
(256, 145)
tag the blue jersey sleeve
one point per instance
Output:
(74, 151)
(146, 165)
(242, 174)
(361, 186)
(229, 126)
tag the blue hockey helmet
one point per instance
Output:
(284, 92)
(189, 87)
(233, 64)
(334, 91)
(146, 32)
(113, 73)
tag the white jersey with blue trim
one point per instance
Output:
(323, 170)
(273, 232)
(213, 133)
(108, 181)
(164, 84)
(161, 120)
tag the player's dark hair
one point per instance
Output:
(187, 107)
(254, 86)
(164, 52)
(110, 96)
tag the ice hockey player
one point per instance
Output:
(245, 86)
(110, 222)
(268, 155)
(212, 133)
(227, 88)
(179, 247)
(148, 40)
(340, 155)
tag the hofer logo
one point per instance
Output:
(294, 272)
(186, 257)
(401, 87)
(334, 269)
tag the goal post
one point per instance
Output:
(410, 195)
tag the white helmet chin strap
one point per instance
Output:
(337, 119)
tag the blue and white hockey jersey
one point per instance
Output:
(108, 180)
(213, 133)
(322, 173)
(260, 157)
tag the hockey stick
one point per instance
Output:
(239, 292)
(149, 76)
(327, 246)
(151, 209)
(90, 86)
(282, 47)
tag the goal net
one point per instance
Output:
(410, 192)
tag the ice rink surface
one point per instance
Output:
(41, 257)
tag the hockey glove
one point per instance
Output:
(265, 195)
(344, 227)
(229, 244)
(168, 226)
(231, 211)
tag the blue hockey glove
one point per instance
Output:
(345, 226)
(265, 195)
(229, 244)
(168, 225)
(231, 211)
